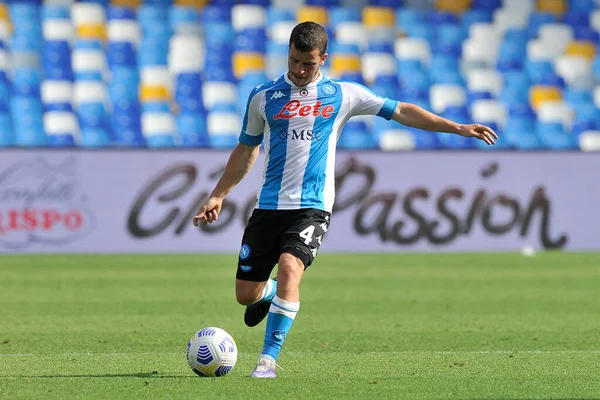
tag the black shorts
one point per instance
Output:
(270, 233)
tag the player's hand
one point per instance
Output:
(480, 132)
(208, 212)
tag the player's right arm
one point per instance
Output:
(240, 162)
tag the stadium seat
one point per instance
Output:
(191, 130)
(485, 80)
(489, 111)
(223, 129)
(344, 63)
(352, 33)
(397, 140)
(413, 49)
(445, 95)
(7, 138)
(312, 13)
(556, 111)
(540, 94)
(575, 70)
(158, 129)
(61, 128)
(244, 62)
(556, 7)
(454, 6)
(376, 64)
(510, 18)
(584, 49)
(374, 16)
(245, 16)
(215, 92)
(589, 140)
(339, 14)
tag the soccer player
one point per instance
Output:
(299, 117)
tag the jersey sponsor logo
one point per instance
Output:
(294, 108)
(277, 95)
(300, 134)
(244, 252)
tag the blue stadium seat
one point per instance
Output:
(425, 140)
(472, 16)
(456, 142)
(343, 14)
(191, 129)
(117, 12)
(587, 34)
(6, 131)
(576, 19)
(537, 19)
(54, 11)
(121, 54)
(354, 139)
(486, 4)
(251, 40)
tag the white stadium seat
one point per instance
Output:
(89, 92)
(589, 141)
(486, 110)
(123, 30)
(219, 93)
(349, 32)
(53, 91)
(556, 111)
(376, 64)
(413, 49)
(485, 80)
(575, 70)
(158, 123)
(396, 140)
(248, 16)
(442, 96)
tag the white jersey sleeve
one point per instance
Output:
(364, 102)
(253, 126)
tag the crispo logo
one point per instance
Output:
(41, 203)
(294, 108)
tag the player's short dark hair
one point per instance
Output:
(308, 36)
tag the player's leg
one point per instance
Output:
(300, 244)
(257, 258)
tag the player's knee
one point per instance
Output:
(289, 266)
(245, 298)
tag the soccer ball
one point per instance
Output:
(212, 352)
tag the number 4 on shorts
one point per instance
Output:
(307, 234)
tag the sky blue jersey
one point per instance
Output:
(300, 126)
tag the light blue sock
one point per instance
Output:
(269, 291)
(280, 320)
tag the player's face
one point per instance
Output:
(304, 66)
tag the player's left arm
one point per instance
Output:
(416, 117)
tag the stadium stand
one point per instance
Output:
(161, 73)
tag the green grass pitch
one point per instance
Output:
(381, 326)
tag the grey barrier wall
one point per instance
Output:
(143, 201)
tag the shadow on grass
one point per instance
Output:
(153, 375)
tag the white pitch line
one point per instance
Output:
(408, 352)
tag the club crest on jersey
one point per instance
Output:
(294, 108)
(328, 89)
